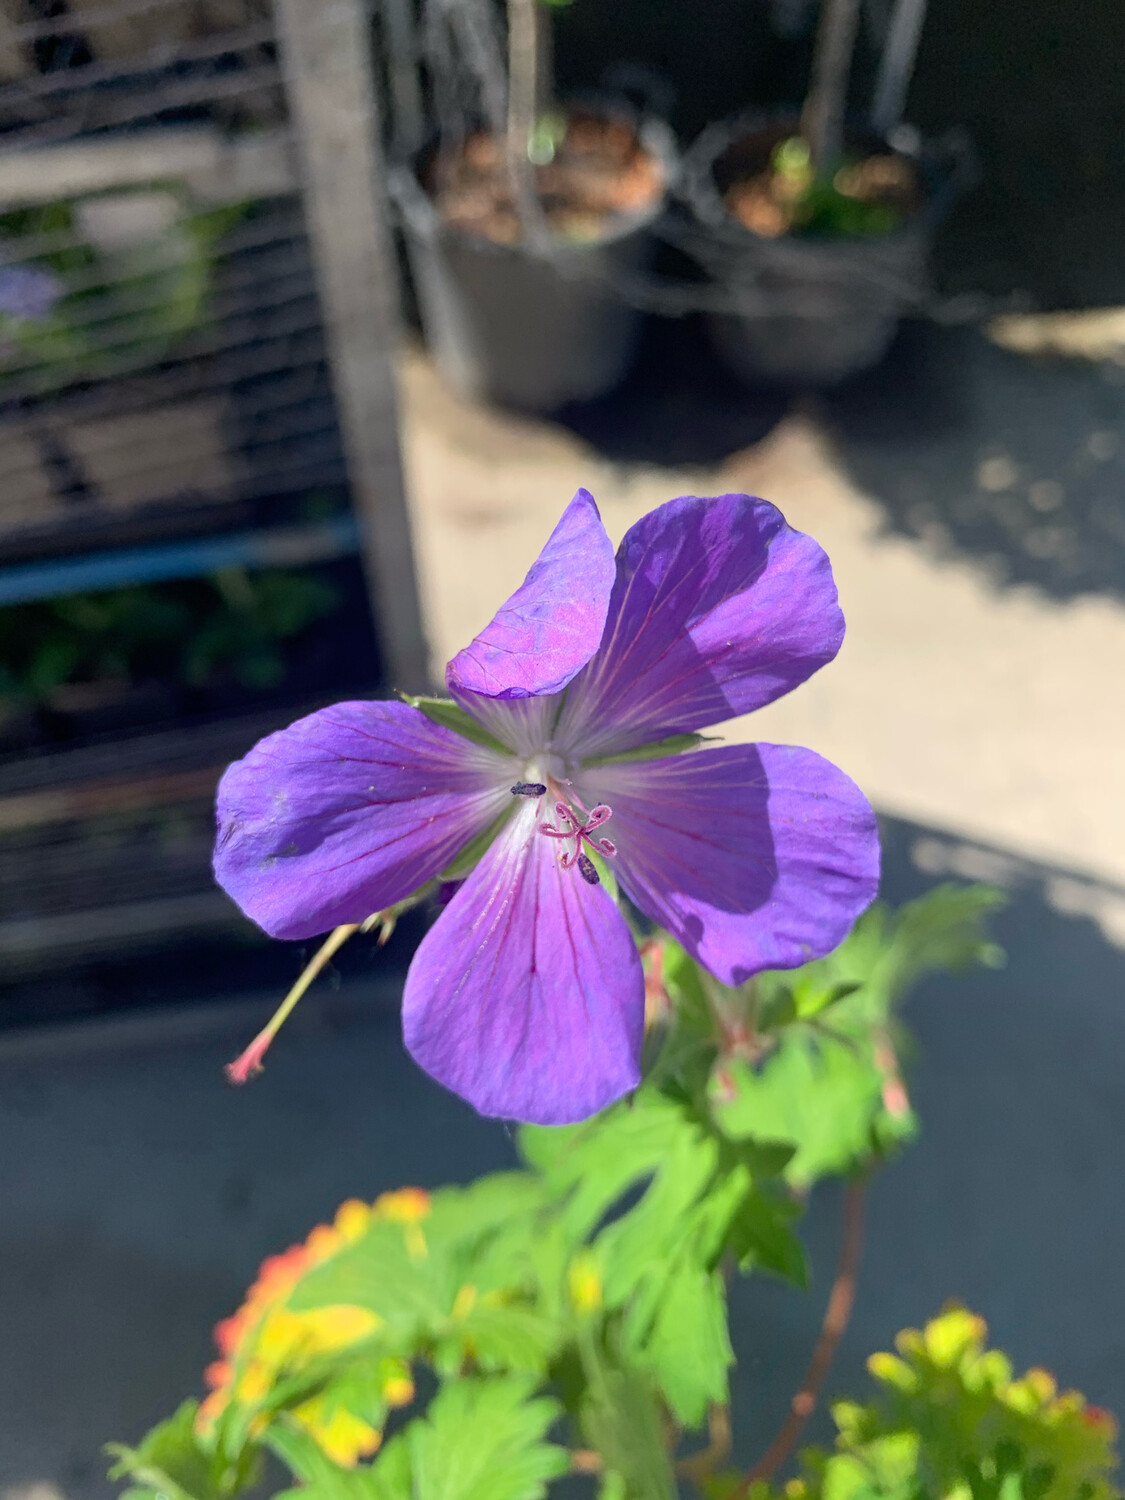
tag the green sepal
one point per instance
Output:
(673, 744)
(451, 715)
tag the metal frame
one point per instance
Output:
(332, 155)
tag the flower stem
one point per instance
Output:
(700, 1466)
(585, 1461)
(249, 1062)
(837, 1314)
(523, 113)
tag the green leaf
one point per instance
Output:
(819, 1094)
(394, 1272)
(479, 1440)
(822, 1087)
(687, 1048)
(485, 1231)
(944, 930)
(761, 1236)
(501, 1337)
(173, 1460)
(451, 715)
(656, 1257)
(308, 1462)
(688, 1349)
(621, 1419)
(465, 1278)
(611, 1485)
(592, 1165)
(641, 1242)
(321, 1479)
(951, 1420)
(485, 1440)
(886, 952)
(811, 998)
(684, 982)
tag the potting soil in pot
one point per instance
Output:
(512, 319)
(817, 270)
(867, 195)
(599, 169)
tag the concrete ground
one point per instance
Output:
(978, 701)
(979, 687)
(140, 1192)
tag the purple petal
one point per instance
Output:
(551, 626)
(753, 856)
(527, 996)
(719, 607)
(347, 811)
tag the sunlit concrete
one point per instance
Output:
(989, 710)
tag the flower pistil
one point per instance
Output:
(573, 831)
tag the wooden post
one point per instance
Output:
(408, 119)
(327, 66)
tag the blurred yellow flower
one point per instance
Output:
(266, 1339)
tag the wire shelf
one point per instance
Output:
(181, 412)
(182, 373)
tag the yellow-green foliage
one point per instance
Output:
(952, 1422)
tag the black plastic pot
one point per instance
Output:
(808, 311)
(524, 329)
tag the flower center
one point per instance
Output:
(573, 826)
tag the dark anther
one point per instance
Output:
(587, 871)
(528, 789)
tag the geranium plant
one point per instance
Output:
(661, 957)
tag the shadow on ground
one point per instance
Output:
(679, 405)
(1014, 460)
(141, 1192)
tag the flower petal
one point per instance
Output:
(719, 607)
(527, 996)
(347, 811)
(754, 856)
(551, 626)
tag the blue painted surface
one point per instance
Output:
(278, 547)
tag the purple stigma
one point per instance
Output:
(571, 827)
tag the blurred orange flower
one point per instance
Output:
(266, 1339)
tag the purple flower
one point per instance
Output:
(28, 293)
(527, 997)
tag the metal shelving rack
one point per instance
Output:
(263, 434)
